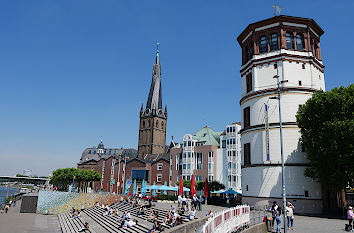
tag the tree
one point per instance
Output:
(326, 123)
(63, 177)
(215, 186)
(199, 185)
(186, 183)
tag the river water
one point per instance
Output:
(3, 191)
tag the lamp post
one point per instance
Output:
(281, 150)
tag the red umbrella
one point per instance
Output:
(206, 188)
(180, 188)
(193, 191)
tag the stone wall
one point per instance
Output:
(52, 202)
(190, 227)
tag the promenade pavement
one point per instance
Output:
(305, 224)
(16, 222)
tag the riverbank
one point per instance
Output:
(3, 192)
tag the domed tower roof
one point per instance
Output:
(100, 145)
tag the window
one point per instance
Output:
(159, 166)
(94, 151)
(159, 178)
(184, 166)
(188, 166)
(249, 82)
(105, 151)
(246, 187)
(210, 154)
(89, 151)
(157, 124)
(263, 44)
(234, 178)
(234, 153)
(246, 117)
(300, 83)
(303, 66)
(247, 154)
(229, 165)
(289, 40)
(162, 124)
(149, 123)
(249, 51)
(199, 160)
(306, 193)
(109, 152)
(274, 42)
(300, 42)
(275, 66)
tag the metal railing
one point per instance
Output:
(229, 220)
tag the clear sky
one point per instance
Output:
(74, 71)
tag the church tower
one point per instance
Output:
(152, 129)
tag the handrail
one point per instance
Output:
(228, 220)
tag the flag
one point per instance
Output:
(193, 191)
(206, 188)
(180, 188)
(154, 191)
(134, 188)
(165, 192)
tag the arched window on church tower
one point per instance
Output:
(162, 124)
(157, 124)
(149, 123)
(143, 124)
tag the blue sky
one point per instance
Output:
(75, 71)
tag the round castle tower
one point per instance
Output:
(288, 47)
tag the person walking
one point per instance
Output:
(350, 216)
(200, 202)
(290, 215)
(6, 208)
(278, 219)
(273, 210)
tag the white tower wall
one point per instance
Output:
(303, 70)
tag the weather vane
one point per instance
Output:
(157, 46)
(277, 9)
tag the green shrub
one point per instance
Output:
(6, 201)
(166, 197)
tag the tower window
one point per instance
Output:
(249, 51)
(247, 154)
(89, 151)
(274, 42)
(263, 44)
(143, 124)
(162, 124)
(300, 42)
(300, 83)
(157, 124)
(246, 117)
(249, 82)
(289, 40)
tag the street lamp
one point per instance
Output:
(281, 149)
